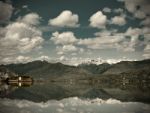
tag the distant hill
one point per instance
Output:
(126, 66)
(95, 69)
(44, 69)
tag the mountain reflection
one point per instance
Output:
(10, 84)
(44, 90)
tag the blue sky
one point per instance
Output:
(74, 31)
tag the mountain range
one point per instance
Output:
(44, 69)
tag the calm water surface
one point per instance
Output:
(70, 97)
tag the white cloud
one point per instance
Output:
(137, 31)
(131, 5)
(105, 33)
(62, 58)
(129, 45)
(43, 57)
(19, 38)
(106, 10)
(114, 40)
(31, 19)
(139, 8)
(5, 11)
(23, 36)
(25, 6)
(113, 61)
(120, 0)
(146, 22)
(98, 20)
(133, 31)
(140, 14)
(118, 20)
(69, 48)
(22, 59)
(119, 10)
(146, 53)
(65, 42)
(63, 38)
(147, 48)
(146, 30)
(18, 59)
(101, 42)
(65, 19)
(81, 50)
(61, 50)
(60, 53)
(133, 43)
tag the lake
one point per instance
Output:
(75, 97)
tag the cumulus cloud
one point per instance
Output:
(118, 20)
(43, 57)
(120, 0)
(134, 42)
(130, 45)
(139, 8)
(139, 38)
(19, 38)
(22, 37)
(119, 10)
(25, 6)
(31, 19)
(5, 11)
(106, 10)
(65, 19)
(18, 59)
(63, 38)
(68, 48)
(101, 42)
(98, 20)
(105, 33)
(133, 31)
(147, 48)
(146, 22)
(22, 59)
(146, 53)
(128, 41)
(65, 42)
(140, 14)
(62, 58)
(61, 50)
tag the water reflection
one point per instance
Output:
(43, 90)
(10, 84)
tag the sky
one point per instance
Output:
(74, 31)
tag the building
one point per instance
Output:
(20, 81)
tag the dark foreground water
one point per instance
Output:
(69, 97)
